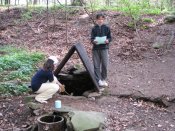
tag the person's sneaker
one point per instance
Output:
(101, 90)
(105, 83)
(100, 83)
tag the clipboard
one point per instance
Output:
(100, 40)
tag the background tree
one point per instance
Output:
(78, 2)
(35, 2)
(1, 2)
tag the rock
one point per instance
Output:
(80, 72)
(73, 97)
(34, 106)
(166, 102)
(29, 98)
(170, 19)
(157, 45)
(90, 93)
(16, 129)
(87, 120)
(69, 125)
(94, 94)
(92, 98)
(37, 112)
(64, 109)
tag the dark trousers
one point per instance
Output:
(100, 60)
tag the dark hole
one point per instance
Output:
(50, 119)
(76, 82)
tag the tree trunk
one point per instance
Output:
(1, 2)
(107, 2)
(78, 2)
(6, 2)
(35, 2)
(30, 2)
(27, 4)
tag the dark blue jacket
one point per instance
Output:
(41, 77)
(100, 31)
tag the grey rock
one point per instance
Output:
(157, 45)
(64, 109)
(94, 94)
(34, 106)
(29, 98)
(87, 120)
(37, 112)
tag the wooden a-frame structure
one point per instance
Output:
(79, 48)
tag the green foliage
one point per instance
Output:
(153, 11)
(16, 64)
(133, 7)
(7, 89)
(148, 20)
(172, 13)
(27, 15)
(55, 8)
(130, 24)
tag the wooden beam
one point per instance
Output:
(85, 60)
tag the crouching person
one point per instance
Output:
(44, 83)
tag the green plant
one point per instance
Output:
(16, 64)
(131, 25)
(7, 89)
(27, 15)
(148, 20)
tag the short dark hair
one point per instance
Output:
(100, 15)
(49, 65)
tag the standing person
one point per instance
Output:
(44, 83)
(100, 38)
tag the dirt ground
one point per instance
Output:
(136, 70)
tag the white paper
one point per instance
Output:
(100, 40)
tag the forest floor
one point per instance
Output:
(136, 70)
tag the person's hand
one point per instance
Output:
(95, 42)
(107, 41)
(62, 88)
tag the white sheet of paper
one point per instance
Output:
(100, 40)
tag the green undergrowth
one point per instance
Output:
(16, 69)
(30, 11)
(144, 11)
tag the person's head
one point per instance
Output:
(100, 19)
(49, 65)
(54, 58)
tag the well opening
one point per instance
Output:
(51, 123)
(76, 81)
(51, 119)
